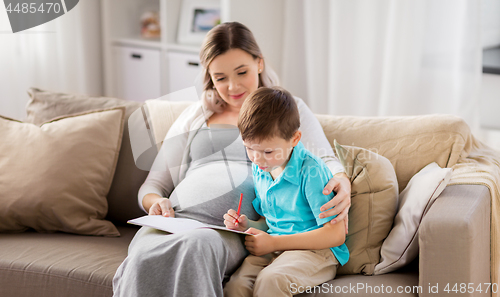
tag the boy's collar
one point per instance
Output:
(293, 167)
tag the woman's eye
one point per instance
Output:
(219, 79)
(267, 153)
(242, 73)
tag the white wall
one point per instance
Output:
(490, 110)
(11, 102)
(61, 55)
(13, 97)
(490, 14)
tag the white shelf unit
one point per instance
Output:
(137, 73)
(121, 27)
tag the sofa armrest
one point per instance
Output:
(454, 241)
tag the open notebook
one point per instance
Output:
(175, 225)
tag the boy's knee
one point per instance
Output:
(269, 280)
(238, 287)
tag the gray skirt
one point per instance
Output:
(193, 263)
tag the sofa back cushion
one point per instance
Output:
(162, 114)
(374, 203)
(55, 177)
(122, 197)
(409, 142)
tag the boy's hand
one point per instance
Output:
(235, 222)
(260, 244)
(162, 207)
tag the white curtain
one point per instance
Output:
(61, 55)
(384, 57)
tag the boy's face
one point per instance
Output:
(272, 153)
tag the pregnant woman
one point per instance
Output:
(207, 169)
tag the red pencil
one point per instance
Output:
(239, 207)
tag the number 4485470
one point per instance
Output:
(471, 288)
(32, 8)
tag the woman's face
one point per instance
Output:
(235, 75)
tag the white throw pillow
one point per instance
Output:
(401, 245)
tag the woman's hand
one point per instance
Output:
(235, 222)
(260, 243)
(341, 184)
(163, 207)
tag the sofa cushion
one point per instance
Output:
(148, 127)
(409, 142)
(55, 177)
(374, 202)
(59, 264)
(122, 196)
(162, 115)
(401, 245)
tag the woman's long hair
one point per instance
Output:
(219, 40)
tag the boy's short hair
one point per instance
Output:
(269, 112)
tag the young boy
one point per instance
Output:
(299, 250)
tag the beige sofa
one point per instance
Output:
(454, 235)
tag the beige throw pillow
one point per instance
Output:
(55, 177)
(401, 245)
(122, 197)
(374, 202)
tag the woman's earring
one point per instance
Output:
(260, 70)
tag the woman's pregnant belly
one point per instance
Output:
(208, 191)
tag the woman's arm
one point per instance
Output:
(159, 180)
(158, 184)
(262, 243)
(156, 205)
(341, 185)
(149, 199)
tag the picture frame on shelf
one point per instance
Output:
(197, 17)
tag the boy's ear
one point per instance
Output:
(296, 137)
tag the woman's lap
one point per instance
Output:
(182, 264)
